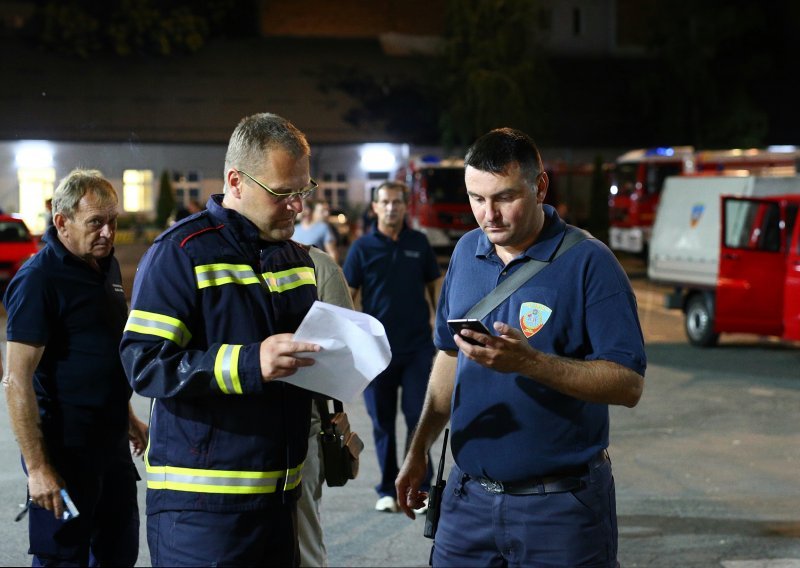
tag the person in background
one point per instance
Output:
(192, 207)
(395, 269)
(216, 301)
(528, 405)
(68, 399)
(313, 228)
(331, 288)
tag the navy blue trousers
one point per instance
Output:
(407, 373)
(102, 484)
(555, 530)
(199, 538)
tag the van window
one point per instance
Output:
(753, 225)
(791, 220)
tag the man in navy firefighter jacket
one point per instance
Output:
(216, 301)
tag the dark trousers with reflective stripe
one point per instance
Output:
(409, 374)
(554, 530)
(199, 538)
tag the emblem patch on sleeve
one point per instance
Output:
(532, 317)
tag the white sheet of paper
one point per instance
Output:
(354, 351)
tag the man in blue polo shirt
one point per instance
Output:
(67, 395)
(396, 269)
(528, 404)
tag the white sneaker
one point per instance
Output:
(387, 504)
(422, 510)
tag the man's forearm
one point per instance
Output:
(23, 409)
(23, 412)
(436, 410)
(599, 381)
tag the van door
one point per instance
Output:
(791, 295)
(752, 267)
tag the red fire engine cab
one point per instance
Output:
(437, 202)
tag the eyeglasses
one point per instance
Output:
(302, 194)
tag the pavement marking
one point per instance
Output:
(766, 563)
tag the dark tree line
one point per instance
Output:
(716, 73)
(136, 27)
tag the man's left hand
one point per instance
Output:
(137, 434)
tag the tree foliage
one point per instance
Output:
(136, 27)
(711, 58)
(493, 73)
(166, 200)
(402, 106)
(597, 223)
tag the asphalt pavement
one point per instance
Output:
(707, 465)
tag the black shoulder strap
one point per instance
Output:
(522, 275)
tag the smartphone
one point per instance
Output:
(456, 325)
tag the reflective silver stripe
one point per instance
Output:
(212, 481)
(289, 279)
(220, 274)
(151, 323)
(226, 369)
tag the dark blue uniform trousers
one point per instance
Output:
(408, 373)
(199, 538)
(554, 530)
(102, 484)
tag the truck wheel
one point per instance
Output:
(699, 323)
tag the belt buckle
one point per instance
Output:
(491, 486)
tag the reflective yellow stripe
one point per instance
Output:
(289, 279)
(226, 369)
(215, 481)
(220, 274)
(242, 274)
(150, 323)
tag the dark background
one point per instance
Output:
(714, 74)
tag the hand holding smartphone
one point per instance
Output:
(456, 325)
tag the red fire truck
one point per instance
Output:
(437, 202)
(638, 178)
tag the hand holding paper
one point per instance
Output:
(354, 351)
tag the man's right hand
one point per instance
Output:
(278, 356)
(44, 487)
(408, 481)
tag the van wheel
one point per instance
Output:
(699, 323)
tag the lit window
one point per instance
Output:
(187, 187)
(35, 187)
(137, 190)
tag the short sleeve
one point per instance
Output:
(27, 302)
(352, 267)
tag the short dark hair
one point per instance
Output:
(496, 150)
(392, 185)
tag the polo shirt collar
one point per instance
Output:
(545, 245)
(377, 233)
(50, 237)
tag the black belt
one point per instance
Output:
(562, 482)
